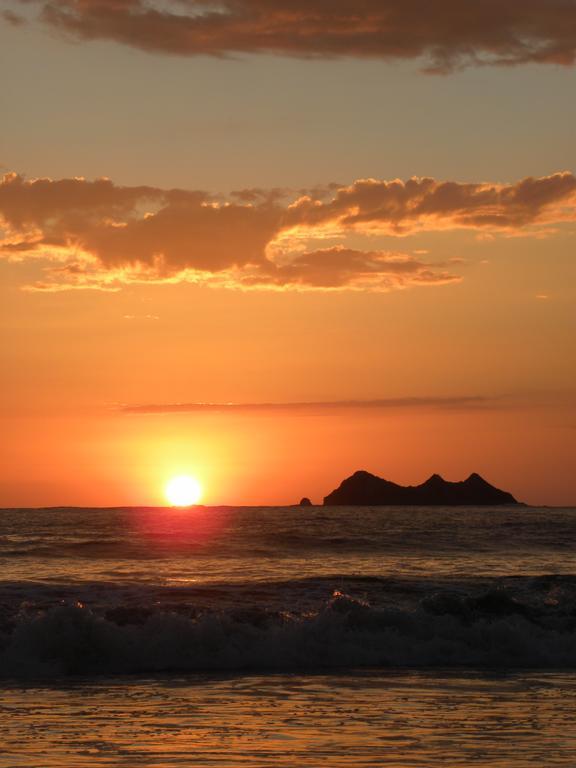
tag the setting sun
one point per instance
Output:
(183, 491)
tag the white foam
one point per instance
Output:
(345, 634)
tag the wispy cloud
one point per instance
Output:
(444, 34)
(98, 235)
(465, 402)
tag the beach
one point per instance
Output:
(372, 718)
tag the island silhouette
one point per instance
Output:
(364, 489)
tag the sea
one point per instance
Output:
(288, 636)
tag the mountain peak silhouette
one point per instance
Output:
(365, 489)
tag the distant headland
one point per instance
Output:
(365, 489)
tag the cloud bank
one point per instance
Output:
(445, 34)
(95, 234)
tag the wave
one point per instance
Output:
(445, 630)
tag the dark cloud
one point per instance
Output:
(101, 235)
(340, 267)
(38, 201)
(400, 207)
(445, 34)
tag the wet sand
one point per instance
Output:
(373, 718)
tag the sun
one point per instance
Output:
(182, 491)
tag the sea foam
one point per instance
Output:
(491, 631)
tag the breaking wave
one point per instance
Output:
(492, 630)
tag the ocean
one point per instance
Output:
(320, 636)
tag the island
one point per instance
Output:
(365, 489)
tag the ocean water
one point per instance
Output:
(288, 636)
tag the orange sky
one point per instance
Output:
(392, 246)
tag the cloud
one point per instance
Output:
(397, 207)
(98, 235)
(464, 401)
(12, 18)
(445, 34)
(340, 267)
(529, 399)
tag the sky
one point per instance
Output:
(266, 244)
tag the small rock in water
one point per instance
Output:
(305, 502)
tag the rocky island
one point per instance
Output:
(365, 489)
